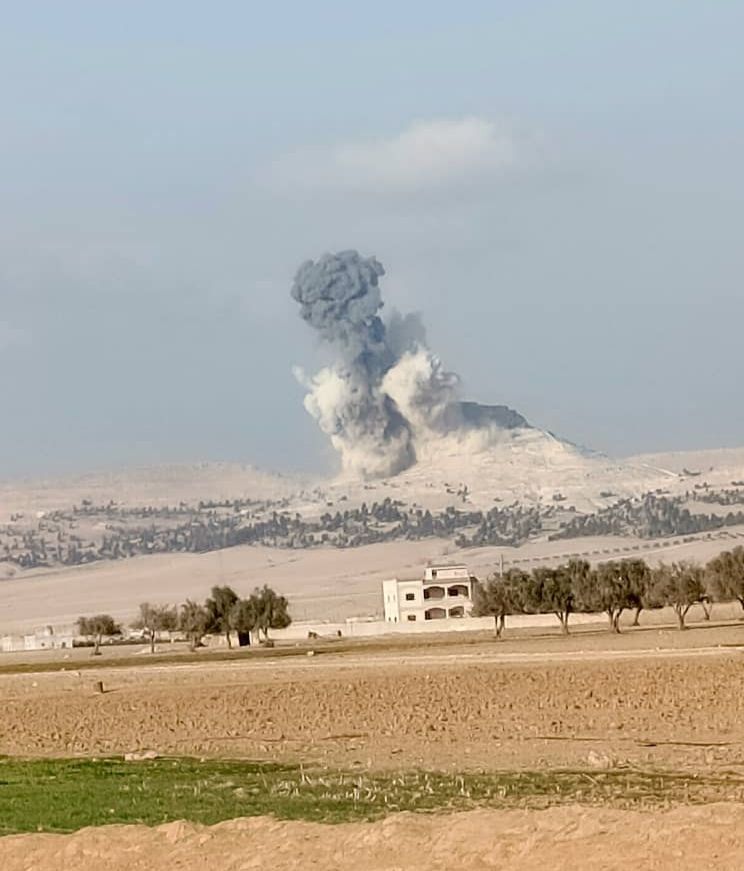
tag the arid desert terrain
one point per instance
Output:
(591, 750)
(616, 714)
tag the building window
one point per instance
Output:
(435, 614)
(410, 597)
(433, 573)
(411, 618)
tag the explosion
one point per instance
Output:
(387, 398)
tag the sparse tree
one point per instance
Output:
(244, 618)
(609, 588)
(680, 585)
(154, 619)
(219, 607)
(98, 627)
(638, 578)
(500, 596)
(192, 621)
(550, 591)
(272, 610)
(725, 574)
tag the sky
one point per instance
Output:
(557, 187)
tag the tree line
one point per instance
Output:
(222, 613)
(213, 526)
(611, 588)
(650, 516)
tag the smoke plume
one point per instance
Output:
(387, 399)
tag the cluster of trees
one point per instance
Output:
(612, 588)
(511, 525)
(222, 613)
(721, 497)
(58, 536)
(651, 516)
(173, 530)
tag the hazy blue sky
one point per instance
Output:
(556, 186)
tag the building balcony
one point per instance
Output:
(453, 591)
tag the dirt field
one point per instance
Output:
(647, 700)
(534, 702)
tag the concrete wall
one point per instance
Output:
(376, 628)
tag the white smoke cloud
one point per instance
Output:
(355, 416)
(424, 392)
(426, 155)
(387, 399)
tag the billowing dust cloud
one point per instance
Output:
(387, 398)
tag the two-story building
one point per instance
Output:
(444, 592)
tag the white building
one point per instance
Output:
(42, 639)
(445, 592)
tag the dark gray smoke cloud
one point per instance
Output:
(387, 398)
(339, 296)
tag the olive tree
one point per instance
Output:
(219, 607)
(609, 588)
(193, 621)
(550, 591)
(244, 618)
(638, 579)
(154, 619)
(97, 628)
(500, 596)
(272, 610)
(680, 585)
(725, 575)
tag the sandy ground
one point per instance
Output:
(709, 838)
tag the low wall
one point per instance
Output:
(372, 628)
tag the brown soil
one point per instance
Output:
(558, 703)
(559, 839)
(441, 709)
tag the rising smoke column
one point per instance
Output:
(387, 395)
(339, 296)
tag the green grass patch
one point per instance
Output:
(62, 795)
